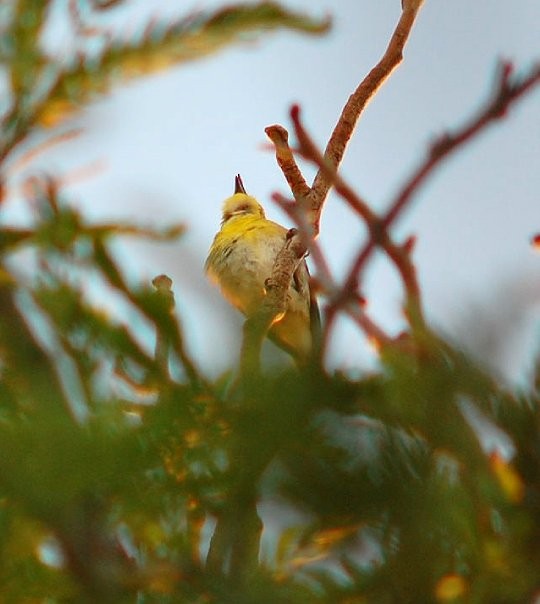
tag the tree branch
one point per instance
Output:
(169, 335)
(287, 162)
(325, 283)
(398, 254)
(274, 304)
(313, 198)
(335, 149)
(506, 92)
(310, 200)
(346, 297)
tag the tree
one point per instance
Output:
(128, 476)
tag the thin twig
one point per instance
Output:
(506, 93)
(324, 276)
(335, 149)
(163, 285)
(398, 254)
(287, 162)
(326, 284)
(170, 336)
(274, 303)
(313, 198)
(310, 200)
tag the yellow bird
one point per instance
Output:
(241, 258)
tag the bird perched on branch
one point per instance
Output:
(242, 257)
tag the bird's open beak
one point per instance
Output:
(239, 185)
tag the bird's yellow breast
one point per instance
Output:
(242, 258)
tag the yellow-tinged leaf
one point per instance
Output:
(508, 478)
(192, 438)
(329, 537)
(302, 560)
(498, 557)
(450, 587)
(164, 45)
(55, 112)
(153, 534)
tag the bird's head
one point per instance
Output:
(241, 204)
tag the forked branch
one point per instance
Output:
(306, 214)
(312, 198)
(507, 91)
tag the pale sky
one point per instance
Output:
(171, 144)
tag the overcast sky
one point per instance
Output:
(170, 145)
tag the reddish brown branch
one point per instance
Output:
(310, 201)
(311, 152)
(358, 100)
(286, 161)
(274, 304)
(296, 214)
(313, 198)
(506, 93)
(355, 309)
(327, 285)
(398, 254)
(307, 211)
(346, 298)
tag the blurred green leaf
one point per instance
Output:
(48, 461)
(162, 46)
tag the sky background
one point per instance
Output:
(168, 147)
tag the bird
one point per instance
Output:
(241, 259)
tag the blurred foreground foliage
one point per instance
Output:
(117, 461)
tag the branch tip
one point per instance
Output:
(277, 134)
(295, 113)
(410, 244)
(504, 72)
(162, 283)
(291, 233)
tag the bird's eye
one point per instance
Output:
(242, 208)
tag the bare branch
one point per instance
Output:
(163, 285)
(358, 100)
(506, 93)
(298, 216)
(274, 304)
(316, 195)
(169, 335)
(311, 152)
(286, 161)
(398, 254)
(325, 283)
(310, 200)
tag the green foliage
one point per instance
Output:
(114, 468)
(161, 47)
(45, 89)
